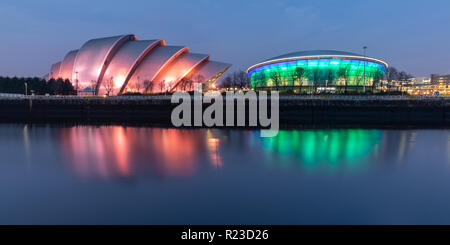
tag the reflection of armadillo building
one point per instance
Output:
(119, 64)
(126, 152)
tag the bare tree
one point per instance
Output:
(292, 77)
(331, 75)
(200, 79)
(344, 73)
(316, 78)
(261, 79)
(148, 85)
(92, 84)
(171, 86)
(238, 79)
(236, 82)
(227, 82)
(241, 79)
(162, 84)
(186, 83)
(138, 84)
(358, 78)
(190, 84)
(296, 76)
(391, 75)
(376, 79)
(108, 85)
(183, 83)
(299, 72)
(276, 78)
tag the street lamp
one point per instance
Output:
(364, 85)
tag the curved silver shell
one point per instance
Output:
(123, 64)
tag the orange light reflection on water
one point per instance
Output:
(213, 146)
(117, 151)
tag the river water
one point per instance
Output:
(138, 175)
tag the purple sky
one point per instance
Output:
(410, 35)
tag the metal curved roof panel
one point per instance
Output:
(209, 71)
(65, 72)
(178, 69)
(123, 62)
(93, 58)
(54, 70)
(152, 64)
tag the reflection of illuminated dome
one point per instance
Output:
(125, 64)
(324, 148)
(318, 68)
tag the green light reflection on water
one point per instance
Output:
(333, 149)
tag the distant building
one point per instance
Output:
(436, 85)
(437, 79)
(420, 80)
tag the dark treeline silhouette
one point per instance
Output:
(237, 79)
(36, 85)
(392, 75)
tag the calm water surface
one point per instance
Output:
(138, 175)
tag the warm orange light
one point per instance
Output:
(213, 146)
(118, 152)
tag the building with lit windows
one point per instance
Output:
(318, 69)
(436, 85)
(120, 64)
(437, 79)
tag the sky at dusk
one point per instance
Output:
(410, 35)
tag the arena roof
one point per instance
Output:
(314, 53)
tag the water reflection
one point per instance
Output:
(396, 146)
(328, 149)
(118, 151)
(138, 175)
(125, 152)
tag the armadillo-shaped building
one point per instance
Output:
(120, 64)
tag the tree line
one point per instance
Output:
(36, 85)
(317, 77)
(238, 79)
(393, 75)
(145, 86)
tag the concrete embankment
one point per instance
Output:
(364, 111)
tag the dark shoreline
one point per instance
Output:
(295, 111)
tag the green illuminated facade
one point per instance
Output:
(324, 68)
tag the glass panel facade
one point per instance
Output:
(317, 72)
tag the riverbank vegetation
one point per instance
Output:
(36, 85)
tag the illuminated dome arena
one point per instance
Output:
(320, 69)
(120, 64)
